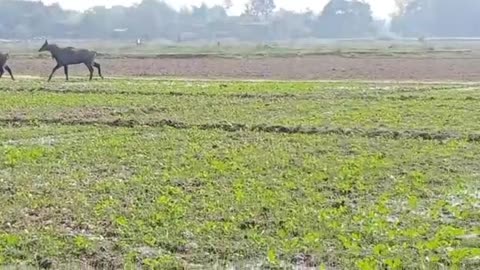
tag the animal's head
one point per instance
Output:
(44, 47)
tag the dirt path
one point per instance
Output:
(295, 68)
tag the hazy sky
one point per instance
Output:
(381, 8)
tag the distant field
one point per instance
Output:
(170, 174)
(391, 60)
(235, 49)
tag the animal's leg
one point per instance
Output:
(1, 72)
(65, 68)
(9, 70)
(53, 71)
(90, 68)
(97, 65)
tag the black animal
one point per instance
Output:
(71, 56)
(3, 65)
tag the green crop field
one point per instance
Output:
(126, 173)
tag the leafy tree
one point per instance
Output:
(438, 18)
(261, 8)
(156, 19)
(152, 18)
(401, 5)
(227, 4)
(23, 19)
(345, 18)
(288, 24)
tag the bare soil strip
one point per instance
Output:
(234, 127)
(315, 67)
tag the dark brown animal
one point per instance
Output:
(3, 65)
(71, 56)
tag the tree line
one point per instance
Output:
(260, 20)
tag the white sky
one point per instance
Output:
(381, 8)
